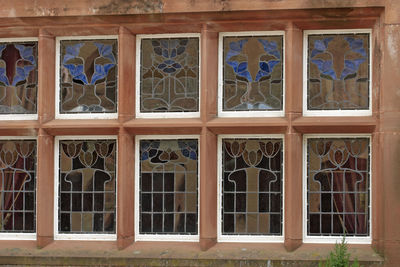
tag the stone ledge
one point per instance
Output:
(173, 254)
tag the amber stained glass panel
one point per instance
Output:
(169, 75)
(338, 72)
(252, 186)
(17, 186)
(18, 78)
(168, 186)
(253, 73)
(86, 200)
(88, 76)
(338, 186)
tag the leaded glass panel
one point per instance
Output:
(86, 199)
(88, 76)
(252, 73)
(168, 197)
(17, 186)
(18, 78)
(338, 72)
(252, 186)
(169, 75)
(338, 186)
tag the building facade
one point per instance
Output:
(199, 132)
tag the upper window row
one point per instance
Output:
(337, 75)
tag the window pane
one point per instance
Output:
(87, 186)
(88, 76)
(253, 73)
(17, 186)
(338, 72)
(168, 186)
(252, 186)
(169, 75)
(338, 186)
(18, 78)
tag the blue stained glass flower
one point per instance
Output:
(320, 46)
(351, 67)
(106, 51)
(76, 72)
(266, 68)
(22, 73)
(169, 66)
(3, 77)
(356, 45)
(26, 52)
(72, 51)
(240, 69)
(271, 47)
(235, 48)
(101, 71)
(188, 149)
(325, 67)
(169, 48)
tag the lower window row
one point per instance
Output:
(336, 188)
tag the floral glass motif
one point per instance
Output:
(169, 75)
(252, 186)
(338, 186)
(338, 72)
(253, 73)
(17, 186)
(168, 186)
(18, 78)
(86, 201)
(88, 75)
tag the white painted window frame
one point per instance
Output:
(248, 113)
(349, 113)
(248, 238)
(89, 237)
(67, 116)
(12, 117)
(161, 237)
(162, 115)
(23, 236)
(335, 239)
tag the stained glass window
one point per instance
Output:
(252, 73)
(168, 187)
(88, 76)
(338, 186)
(18, 78)
(17, 186)
(169, 75)
(338, 72)
(86, 202)
(252, 186)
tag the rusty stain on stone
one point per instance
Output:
(128, 6)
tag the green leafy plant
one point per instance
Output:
(339, 257)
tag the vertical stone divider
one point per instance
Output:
(293, 198)
(376, 190)
(46, 76)
(126, 74)
(45, 142)
(45, 189)
(208, 140)
(126, 147)
(390, 131)
(125, 189)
